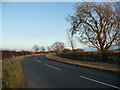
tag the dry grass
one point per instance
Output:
(12, 73)
(0, 74)
(98, 65)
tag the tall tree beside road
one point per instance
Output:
(95, 24)
(36, 48)
(58, 47)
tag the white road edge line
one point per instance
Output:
(100, 82)
(52, 67)
(38, 60)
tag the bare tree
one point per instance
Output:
(36, 48)
(95, 24)
(58, 47)
(48, 48)
(42, 48)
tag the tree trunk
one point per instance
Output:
(104, 56)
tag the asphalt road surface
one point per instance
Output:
(41, 72)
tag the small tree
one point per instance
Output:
(95, 24)
(48, 48)
(36, 48)
(42, 48)
(58, 47)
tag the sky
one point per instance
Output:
(25, 24)
(0, 24)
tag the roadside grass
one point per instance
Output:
(12, 73)
(0, 73)
(98, 65)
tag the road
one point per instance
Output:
(41, 72)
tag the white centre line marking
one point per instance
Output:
(52, 67)
(100, 82)
(38, 60)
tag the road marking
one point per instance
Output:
(38, 60)
(100, 82)
(52, 67)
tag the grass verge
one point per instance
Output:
(12, 73)
(97, 65)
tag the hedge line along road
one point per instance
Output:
(41, 72)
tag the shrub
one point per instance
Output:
(110, 57)
(66, 50)
(10, 54)
(79, 50)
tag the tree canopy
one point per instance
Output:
(58, 47)
(95, 24)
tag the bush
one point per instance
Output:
(79, 50)
(10, 54)
(66, 50)
(110, 57)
